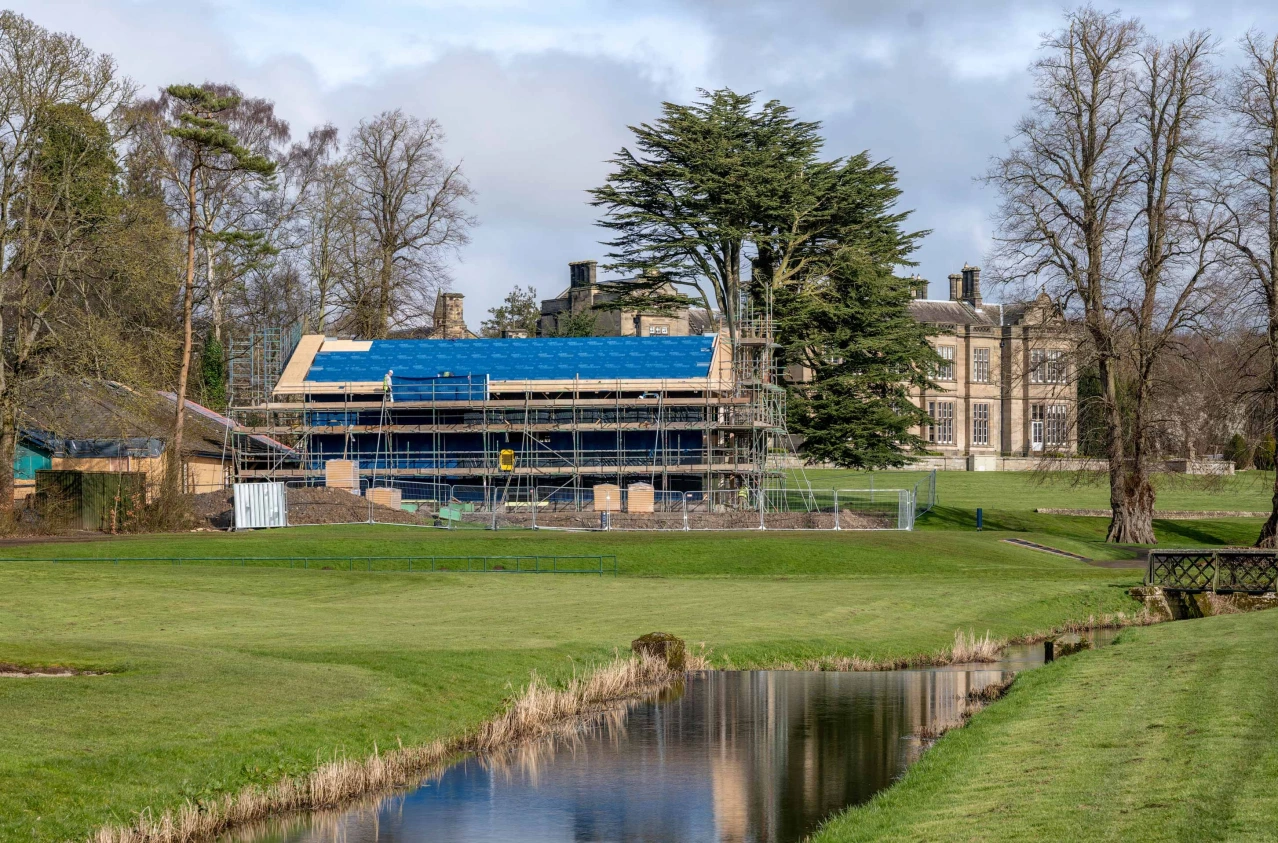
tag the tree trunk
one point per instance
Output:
(173, 469)
(8, 444)
(1131, 495)
(1269, 532)
(1132, 520)
(215, 294)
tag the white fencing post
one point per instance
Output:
(685, 497)
(836, 509)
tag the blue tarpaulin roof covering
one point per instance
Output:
(544, 358)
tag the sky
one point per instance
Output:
(535, 95)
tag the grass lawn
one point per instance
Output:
(1024, 491)
(1169, 734)
(223, 675)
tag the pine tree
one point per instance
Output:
(193, 119)
(688, 203)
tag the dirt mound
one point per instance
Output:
(214, 509)
(309, 505)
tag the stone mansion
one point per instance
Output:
(1005, 385)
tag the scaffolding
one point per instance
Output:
(724, 434)
(255, 361)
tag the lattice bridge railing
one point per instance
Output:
(1247, 571)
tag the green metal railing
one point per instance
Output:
(598, 565)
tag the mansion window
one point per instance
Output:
(941, 430)
(1049, 425)
(658, 330)
(981, 365)
(980, 424)
(1047, 366)
(945, 369)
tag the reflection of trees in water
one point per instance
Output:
(742, 757)
(787, 750)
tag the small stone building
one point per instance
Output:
(586, 293)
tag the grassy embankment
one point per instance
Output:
(223, 676)
(1169, 734)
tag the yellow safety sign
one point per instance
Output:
(506, 460)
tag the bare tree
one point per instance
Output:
(275, 221)
(323, 220)
(45, 78)
(412, 202)
(1252, 101)
(1105, 209)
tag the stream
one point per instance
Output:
(731, 757)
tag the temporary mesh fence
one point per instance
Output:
(607, 507)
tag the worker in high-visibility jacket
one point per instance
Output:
(386, 386)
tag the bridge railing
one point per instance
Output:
(1225, 571)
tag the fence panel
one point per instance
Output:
(496, 506)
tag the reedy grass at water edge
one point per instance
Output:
(535, 712)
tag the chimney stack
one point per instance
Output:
(972, 285)
(449, 319)
(956, 287)
(582, 273)
(918, 287)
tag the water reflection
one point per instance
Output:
(732, 757)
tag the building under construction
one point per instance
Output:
(689, 416)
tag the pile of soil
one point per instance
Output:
(310, 505)
(213, 509)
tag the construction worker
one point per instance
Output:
(386, 386)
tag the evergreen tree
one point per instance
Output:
(854, 333)
(195, 142)
(685, 206)
(213, 374)
(1238, 452)
(519, 312)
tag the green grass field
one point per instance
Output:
(1168, 734)
(224, 675)
(1016, 491)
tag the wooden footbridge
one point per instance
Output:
(1227, 571)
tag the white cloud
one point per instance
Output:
(535, 94)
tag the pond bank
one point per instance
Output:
(1094, 747)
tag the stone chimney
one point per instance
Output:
(918, 287)
(972, 285)
(956, 287)
(450, 321)
(582, 273)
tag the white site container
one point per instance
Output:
(260, 505)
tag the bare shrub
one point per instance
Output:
(969, 648)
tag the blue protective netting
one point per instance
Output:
(548, 358)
